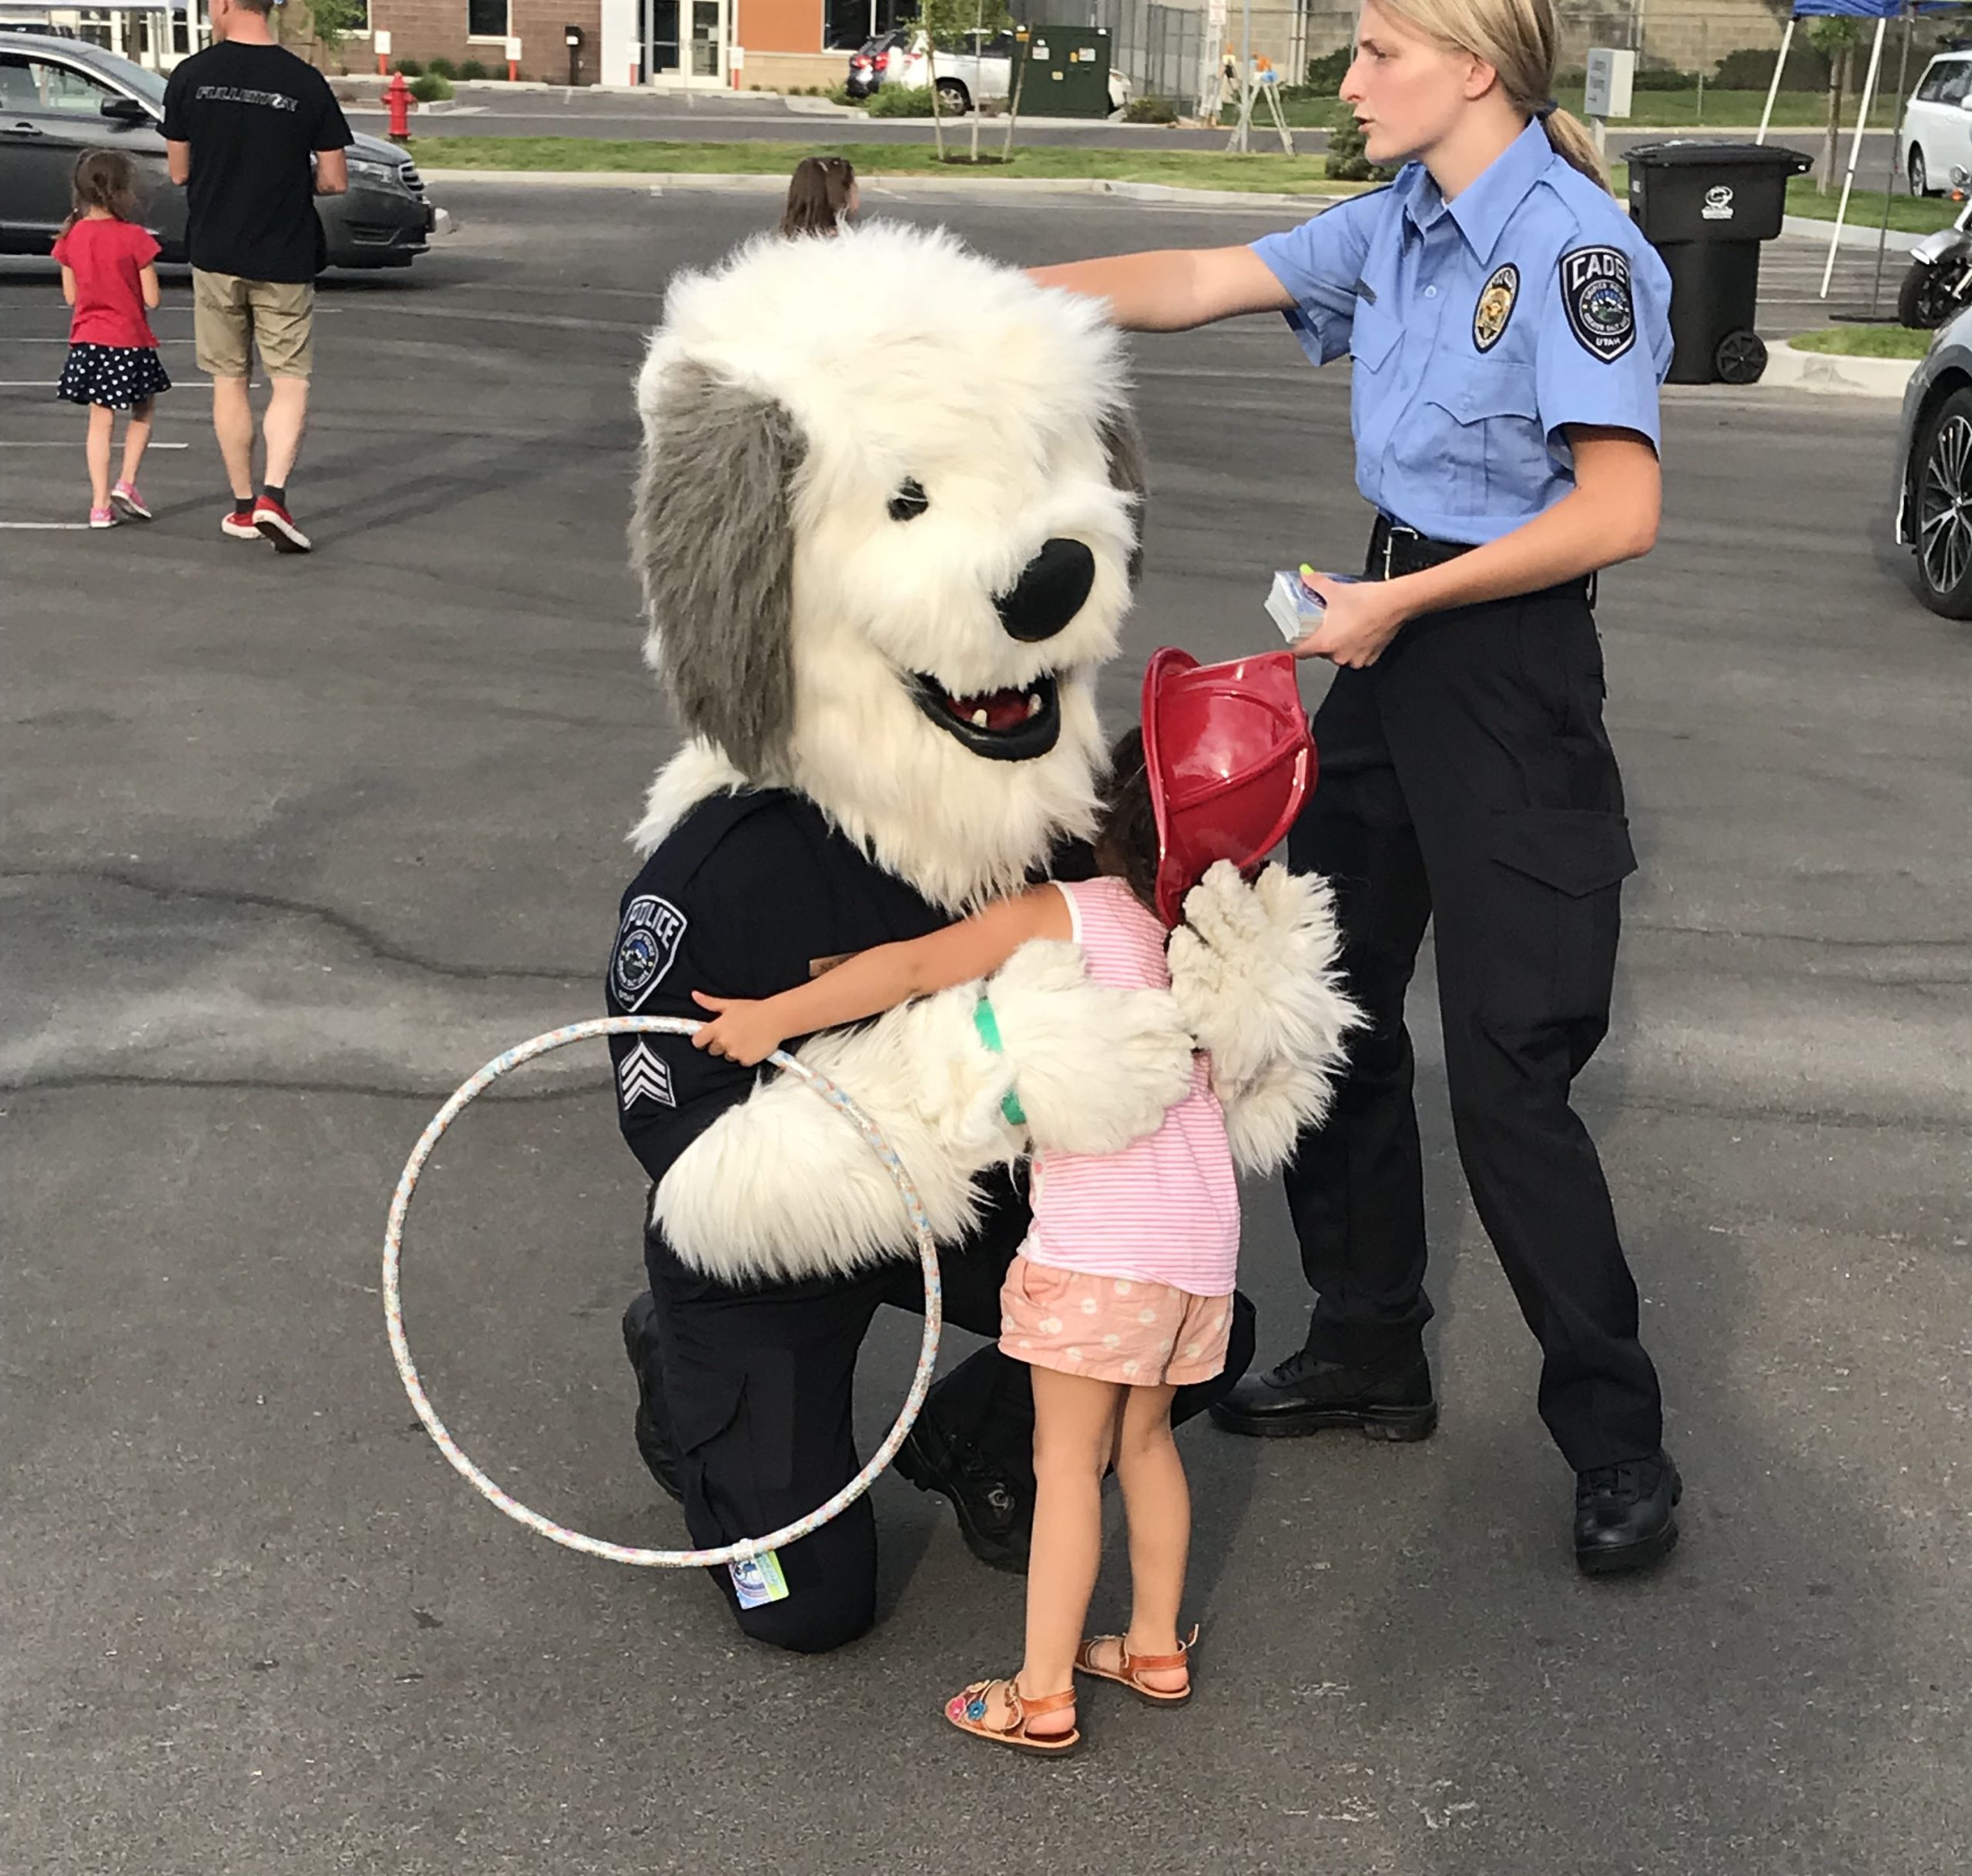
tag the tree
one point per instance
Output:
(331, 21)
(958, 26)
(1836, 41)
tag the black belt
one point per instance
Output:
(1395, 550)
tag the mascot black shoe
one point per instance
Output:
(885, 527)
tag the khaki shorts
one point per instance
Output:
(230, 315)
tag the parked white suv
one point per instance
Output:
(1937, 124)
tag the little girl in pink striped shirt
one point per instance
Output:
(1122, 1293)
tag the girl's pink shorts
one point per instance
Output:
(1112, 1328)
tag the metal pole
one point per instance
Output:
(1246, 73)
(1890, 179)
(1773, 90)
(1855, 151)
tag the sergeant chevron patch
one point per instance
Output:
(643, 1075)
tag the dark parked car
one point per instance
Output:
(1934, 470)
(59, 97)
(868, 65)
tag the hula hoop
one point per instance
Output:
(747, 1547)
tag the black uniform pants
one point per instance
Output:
(1466, 781)
(757, 1388)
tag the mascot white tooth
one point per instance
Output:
(885, 527)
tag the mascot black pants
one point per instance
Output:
(1467, 783)
(757, 1385)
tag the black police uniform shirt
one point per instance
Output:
(749, 895)
(254, 116)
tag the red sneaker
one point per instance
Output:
(272, 519)
(238, 527)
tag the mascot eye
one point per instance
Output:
(909, 502)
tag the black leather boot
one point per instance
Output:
(653, 1430)
(1388, 1399)
(995, 1511)
(1626, 1516)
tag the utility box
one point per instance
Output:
(1067, 72)
(1612, 80)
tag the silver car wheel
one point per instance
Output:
(1944, 497)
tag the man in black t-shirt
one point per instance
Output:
(254, 135)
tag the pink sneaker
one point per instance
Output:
(124, 499)
(102, 517)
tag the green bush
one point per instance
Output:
(1346, 161)
(897, 101)
(431, 87)
(1753, 70)
(411, 68)
(1324, 76)
(442, 68)
(472, 70)
(839, 94)
(1150, 110)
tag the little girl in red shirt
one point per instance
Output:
(108, 277)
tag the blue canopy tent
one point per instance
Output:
(1882, 12)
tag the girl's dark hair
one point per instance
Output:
(103, 179)
(1126, 838)
(818, 197)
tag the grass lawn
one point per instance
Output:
(1865, 341)
(1182, 168)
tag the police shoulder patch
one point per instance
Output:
(1496, 302)
(1596, 295)
(646, 947)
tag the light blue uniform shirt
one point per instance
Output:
(1479, 328)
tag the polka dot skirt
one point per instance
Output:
(119, 376)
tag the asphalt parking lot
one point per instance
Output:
(293, 845)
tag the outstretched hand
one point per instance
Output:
(741, 1030)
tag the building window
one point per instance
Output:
(486, 20)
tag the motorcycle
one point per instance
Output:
(1940, 279)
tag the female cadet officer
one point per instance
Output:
(1508, 330)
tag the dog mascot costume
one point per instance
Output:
(885, 525)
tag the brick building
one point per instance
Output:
(667, 42)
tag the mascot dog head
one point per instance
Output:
(884, 523)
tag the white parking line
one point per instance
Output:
(44, 527)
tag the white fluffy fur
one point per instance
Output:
(1253, 969)
(902, 356)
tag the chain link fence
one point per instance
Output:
(1169, 50)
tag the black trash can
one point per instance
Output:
(1706, 207)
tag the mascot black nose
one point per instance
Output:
(1049, 592)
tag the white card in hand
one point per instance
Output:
(1295, 610)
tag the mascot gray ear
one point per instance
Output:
(711, 538)
(1124, 446)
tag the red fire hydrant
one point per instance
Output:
(397, 97)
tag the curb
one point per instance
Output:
(1834, 373)
(660, 181)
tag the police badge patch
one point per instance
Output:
(1497, 300)
(647, 945)
(1595, 293)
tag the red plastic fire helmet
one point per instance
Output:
(1229, 760)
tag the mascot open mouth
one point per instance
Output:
(1011, 725)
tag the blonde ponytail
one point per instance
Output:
(1521, 40)
(1568, 138)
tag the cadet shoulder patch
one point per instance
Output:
(1497, 300)
(646, 947)
(1596, 295)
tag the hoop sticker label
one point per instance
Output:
(646, 948)
(758, 1580)
(1596, 294)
